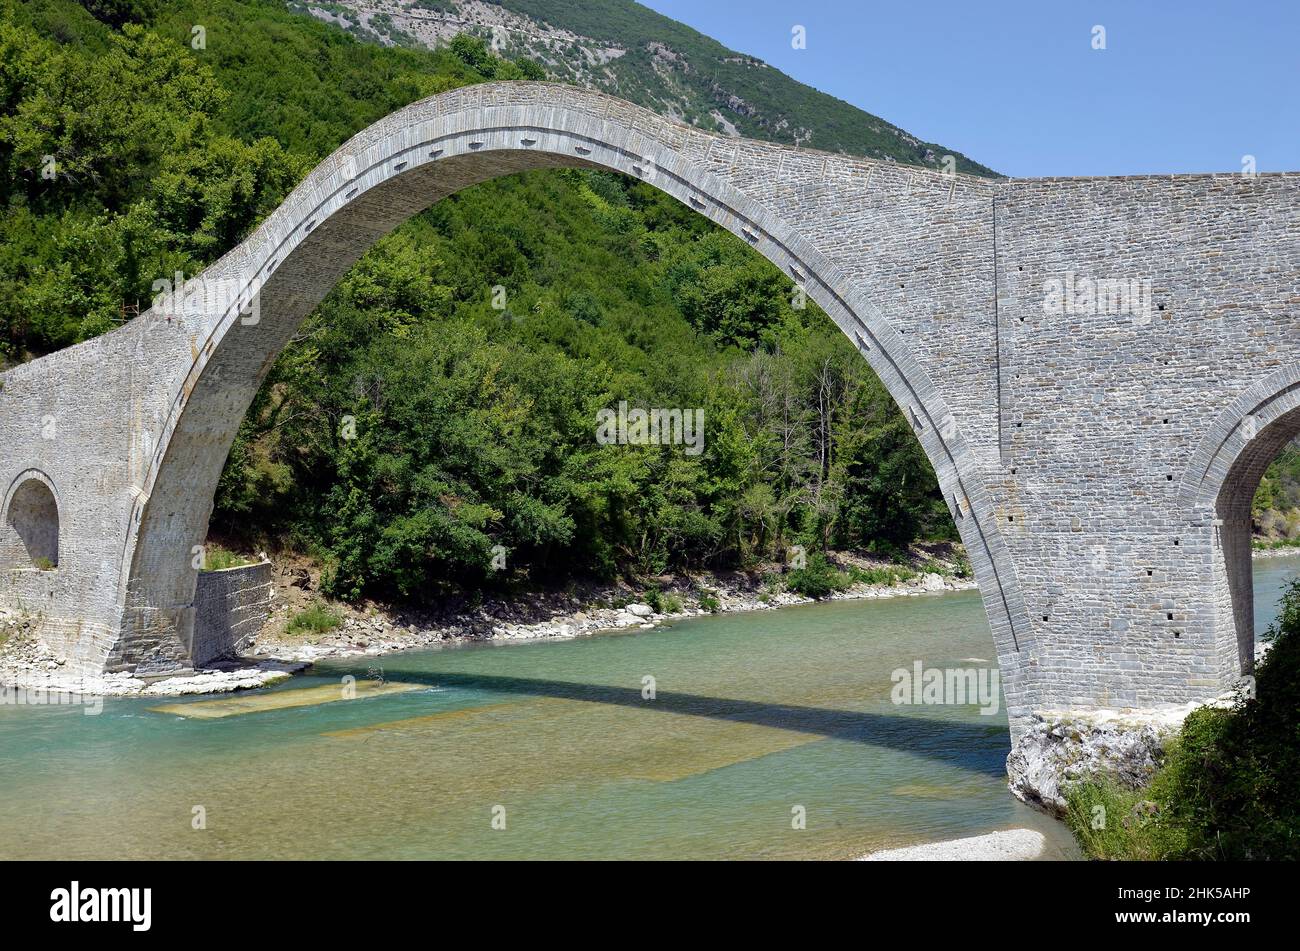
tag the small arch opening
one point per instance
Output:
(33, 516)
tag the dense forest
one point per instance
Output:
(1277, 501)
(440, 406)
(473, 347)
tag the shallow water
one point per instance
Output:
(756, 717)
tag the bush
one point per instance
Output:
(663, 603)
(315, 620)
(888, 576)
(1233, 778)
(817, 579)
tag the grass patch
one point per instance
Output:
(217, 558)
(315, 620)
(1262, 545)
(888, 576)
(1112, 822)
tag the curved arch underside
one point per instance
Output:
(421, 154)
(1244, 433)
(31, 523)
(1235, 588)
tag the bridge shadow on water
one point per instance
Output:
(969, 746)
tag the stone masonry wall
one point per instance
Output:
(230, 607)
(1083, 451)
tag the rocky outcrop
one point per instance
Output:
(1055, 749)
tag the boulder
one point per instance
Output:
(1057, 750)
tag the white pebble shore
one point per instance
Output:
(1013, 845)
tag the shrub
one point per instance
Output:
(669, 604)
(817, 579)
(880, 575)
(316, 620)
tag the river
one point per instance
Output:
(552, 750)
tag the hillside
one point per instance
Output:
(474, 426)
(1277, 502)
(628, 50)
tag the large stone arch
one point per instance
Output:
(1219, 486)
(404, 164)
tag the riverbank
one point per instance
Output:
(285, 646)
(1275, 550)
(1010, 845)
(580, 610)
(373, 628)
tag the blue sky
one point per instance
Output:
(1180, 87)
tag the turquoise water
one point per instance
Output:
(756, 717)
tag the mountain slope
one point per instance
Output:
(623, 48)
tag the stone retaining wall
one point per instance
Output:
(230, 607)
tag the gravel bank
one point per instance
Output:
(1012, 845)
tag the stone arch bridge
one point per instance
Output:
(1098, 369)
